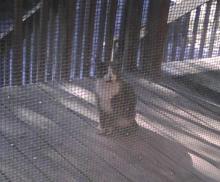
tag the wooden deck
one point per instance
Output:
(202, 74)
(48, 134)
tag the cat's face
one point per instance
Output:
(109, 72)
(111, 75)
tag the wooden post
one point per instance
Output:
(132, 34)
(195, 30)
(205, 28)
(89, 21)
(42, 46)
(79, 37)
(154, 41)
(109, 29)
(68, 27)
(185, 35)
(100, 40)
(17, 44)
(214, 29)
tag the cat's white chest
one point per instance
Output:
(106, 91)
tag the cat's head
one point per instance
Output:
(111, 69)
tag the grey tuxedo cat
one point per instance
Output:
(116, 99)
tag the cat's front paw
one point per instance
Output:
(105, 131)
(110, 130)
(126, 127)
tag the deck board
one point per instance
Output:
(152, 155)
(115, 150)
(54, 126)
(188, 116)
(3, 178)
(50, 113)
(14, 163)
(48, 159)
(39, 152)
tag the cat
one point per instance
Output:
(116, 99)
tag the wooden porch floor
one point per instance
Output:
(48, 134)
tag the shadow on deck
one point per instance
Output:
(48, 134)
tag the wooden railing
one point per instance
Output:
(63, 40)
(195, 35)
(16, 44)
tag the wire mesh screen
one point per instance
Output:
(109, 90)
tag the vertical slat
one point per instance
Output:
(195, 30)
(219, 51)
(28, 32)
(52, 36)
(184, 36)
(62, 37)
(2, 50)
(89, 21)
(132, 34)
(109, 29)
(205, 29)
(7, 58)
(35, 40)
(100, 40)
(214, 29)
(42, 44)
(154, 41)
(60, 40)
(169, 41)
(79, 35)
(122, 34)
(175, 39)
(67, 57)
(17, 43)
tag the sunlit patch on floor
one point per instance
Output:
(205, 167)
